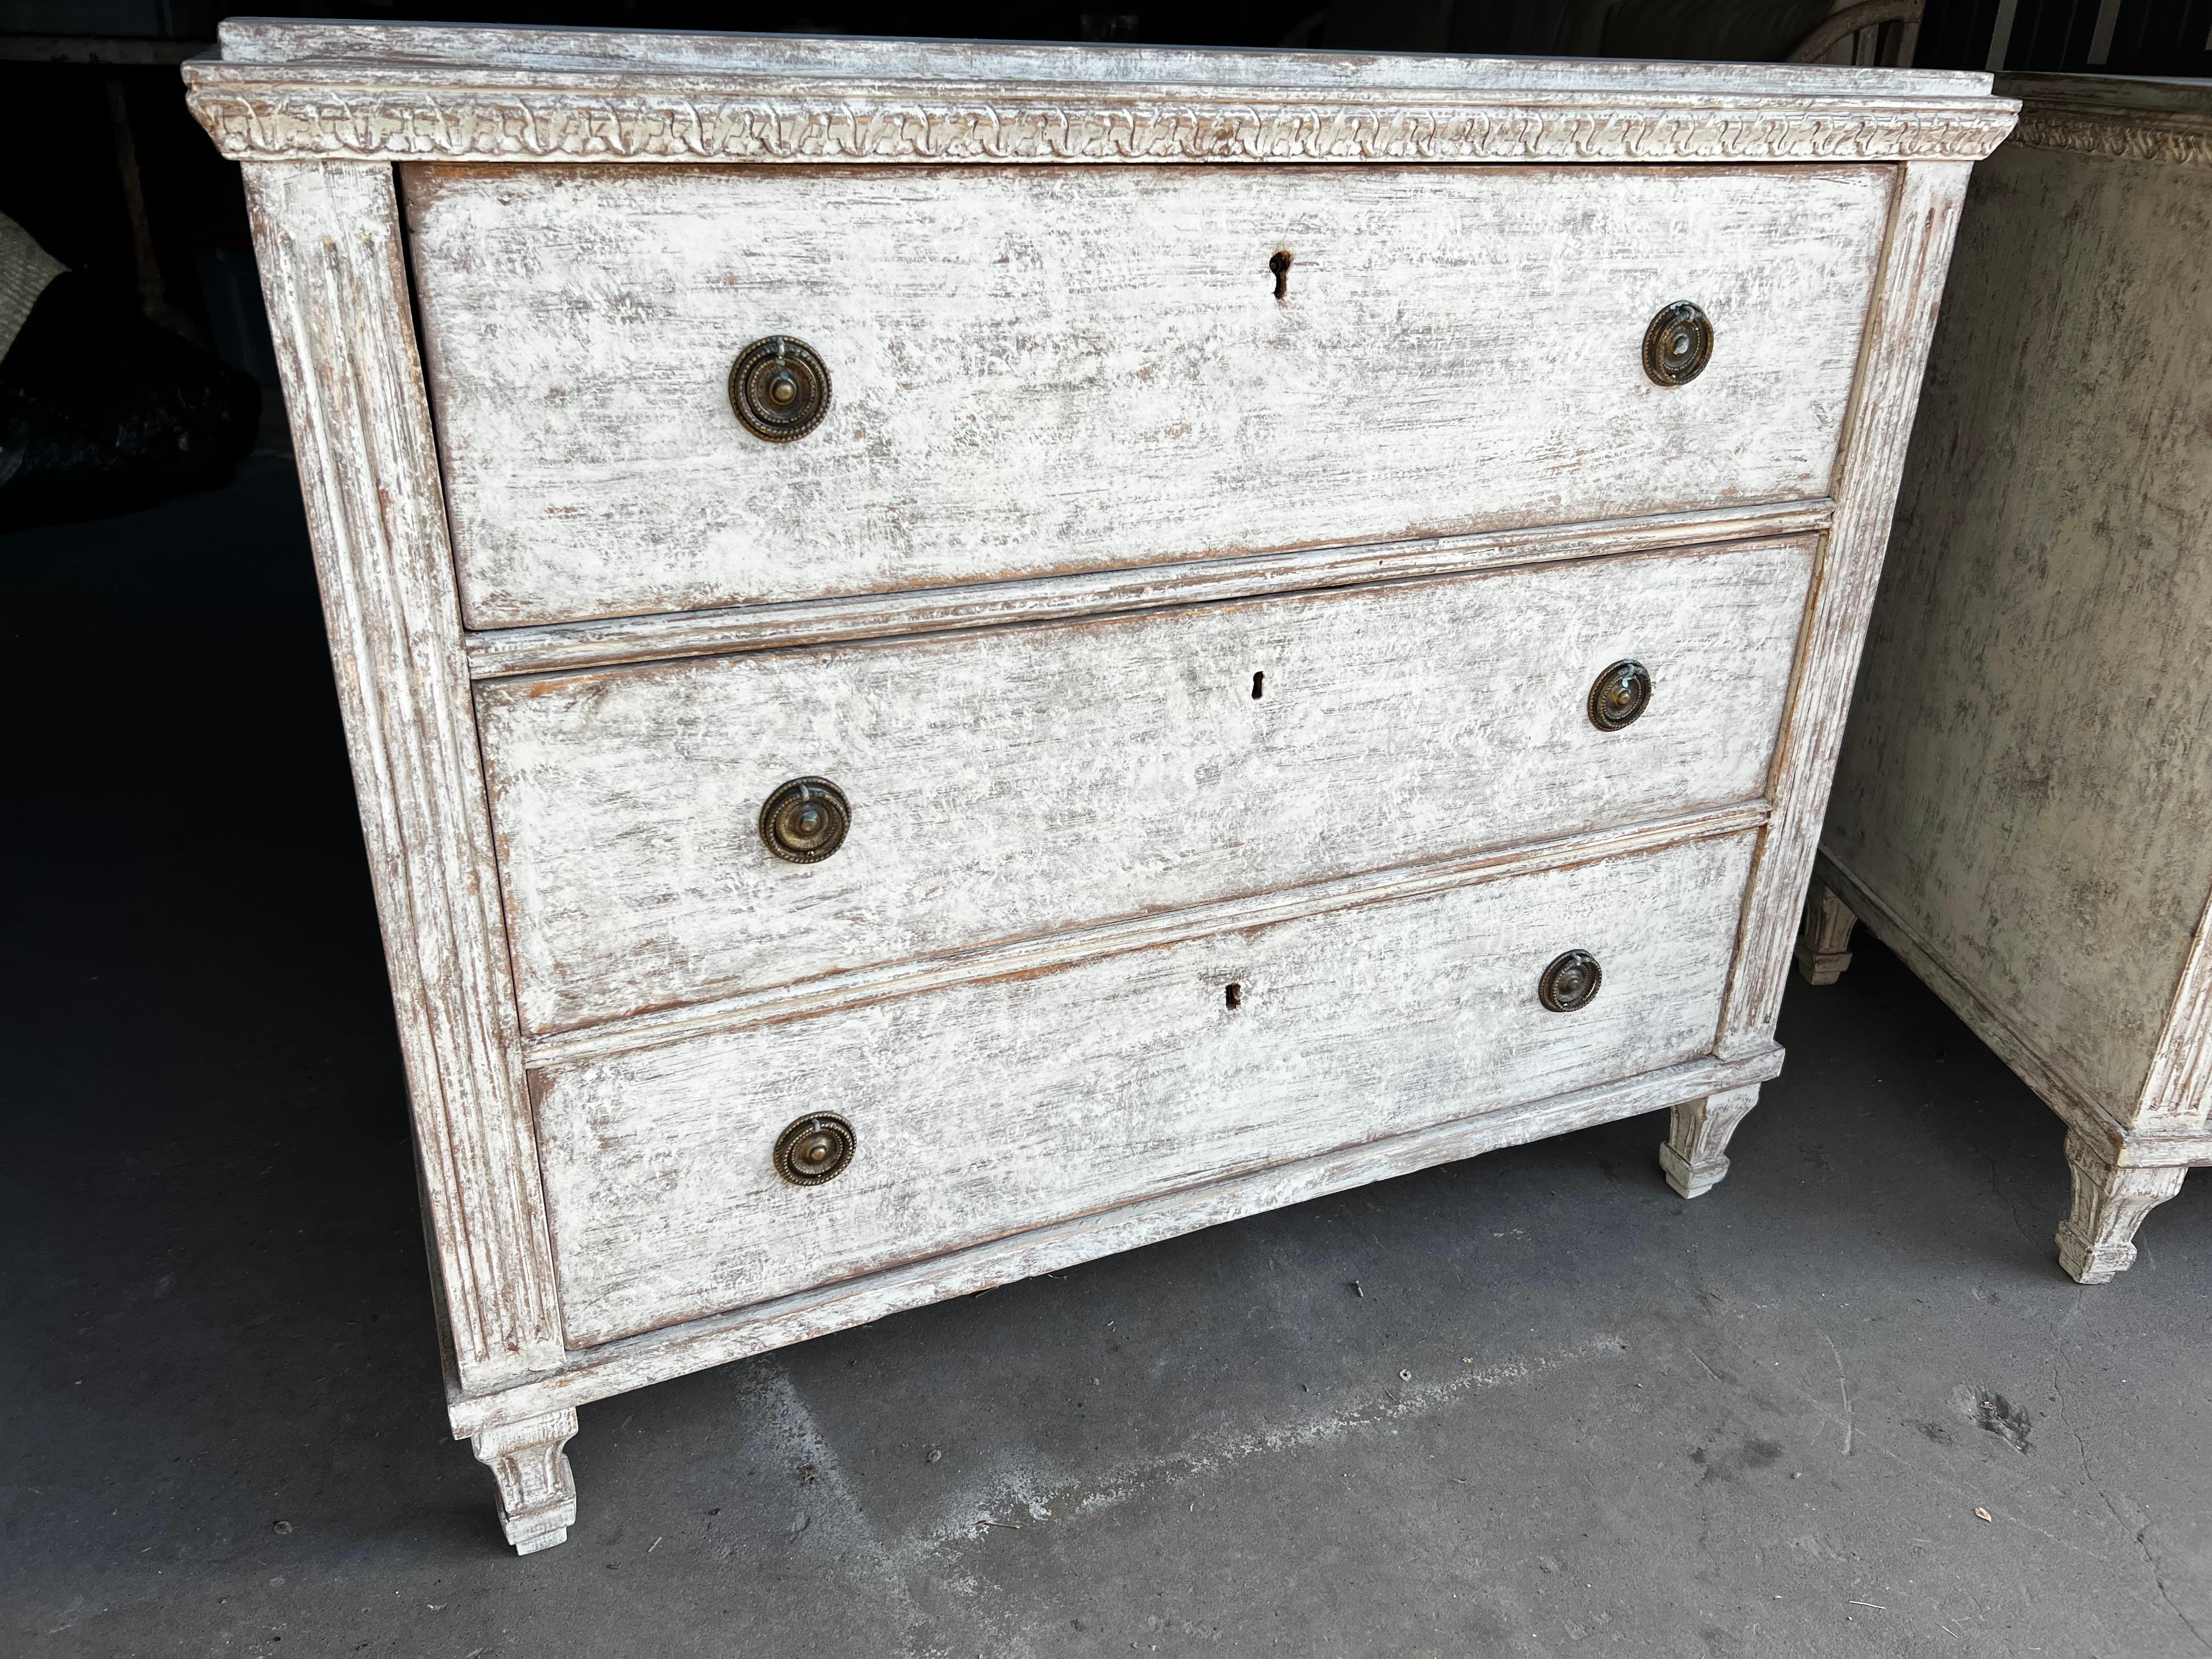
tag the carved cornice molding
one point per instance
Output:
(2128, 134)
(367, 122)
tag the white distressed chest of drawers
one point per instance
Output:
(961, 657)
(2021, 810)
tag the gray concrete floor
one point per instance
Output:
(1561, 1411)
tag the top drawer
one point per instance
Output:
(1042, 370)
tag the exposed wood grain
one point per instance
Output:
(616, 1367)
(328, 241)
(562, 646)
(1923, 222)
(986, 1109)
(1044, 371)
(1054, 776)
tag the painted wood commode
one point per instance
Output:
(2023, 807)
(961, 657)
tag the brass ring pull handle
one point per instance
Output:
(1678, 345)
(1570, 982)
(814, 1149)
(804, 820)
(779, 388)
(1619, 694)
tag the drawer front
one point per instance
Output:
(985, 1109)
(1043, 370)
(1007, 784)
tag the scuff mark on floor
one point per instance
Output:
(1044, 1495)
(831, 1515)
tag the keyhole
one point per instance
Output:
(1280, 265)
(1259, 686)
(1233, 993)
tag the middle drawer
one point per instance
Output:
(1014, 782)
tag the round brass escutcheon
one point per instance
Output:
(1679, 344)
(804, 820)
(814, 1149)
(1570, 982)
(779, 388)
(1619, 695)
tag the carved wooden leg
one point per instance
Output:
(537, 1492)
(2111, 1199)
(1699, 1137)
(1824, 943)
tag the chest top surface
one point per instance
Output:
(310, 91)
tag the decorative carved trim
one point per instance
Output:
(2125, 134)
(262, 120)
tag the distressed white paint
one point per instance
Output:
(1453, 371)
(1045, 370)
(558, 646)
(365, 92)
(1923, 224)
(1016, 1102)
(2021, 809)
(1048, 951)
(537, 1487)
(1012, 783)
(327, 239)
(442, 53)
(614, 1368)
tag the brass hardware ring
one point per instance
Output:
(1619, 694)
(779, 388)
(814, 1149)
(1678, 345)
(1570, 982)
(804, 820)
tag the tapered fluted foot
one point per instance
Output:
(2111, 1199)
(1695, 1155)
(1824, 942)
(536, 1489)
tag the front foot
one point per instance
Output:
(537, 1488)
(2111, 1199)
(1694, 1156)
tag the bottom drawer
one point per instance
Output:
(986, 1108)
